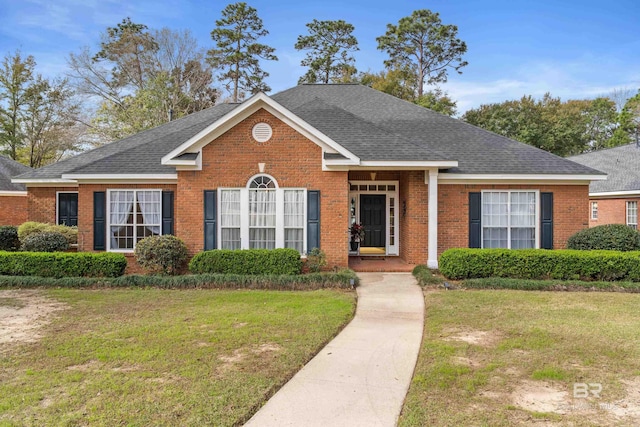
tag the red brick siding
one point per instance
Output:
(13, 210)
(41, 203)
(294, 161)
(611, 211)
(414, 222)
(570, 213)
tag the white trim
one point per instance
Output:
(593, 210)
(132, 176)
(43, 181)
(432, 260)
(509, 226)
(346, 165)
(631, 224)
(135, 225)
(616, 193)
(447, 178)
(390, 249)
(244, 110)
(245, 212)
(13, 193)
(58, 201)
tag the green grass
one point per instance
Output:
(551, 339)
(141, 357)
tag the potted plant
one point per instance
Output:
(357, 235)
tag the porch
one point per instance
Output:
(388, 264)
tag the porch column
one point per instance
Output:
(432, 261)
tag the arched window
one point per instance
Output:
(262, 213)
(262, 216)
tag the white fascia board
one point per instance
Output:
(341, 165)
(43, 181)
(181, 162)
(616, 193)
(122, 177)
(243, 111)
(446, 178)
(13, 193)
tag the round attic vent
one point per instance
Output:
(262, 132)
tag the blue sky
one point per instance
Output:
(573, 49)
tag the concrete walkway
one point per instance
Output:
(362, 376)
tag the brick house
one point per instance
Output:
(295, 169)
(13, 197)
(614, 201)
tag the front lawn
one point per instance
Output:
(143, 357)
(503, 358)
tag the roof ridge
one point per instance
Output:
(604, 149)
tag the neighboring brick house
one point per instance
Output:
(297, 168)
(614, 201)
(13, 197)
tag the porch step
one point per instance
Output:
(379, 264)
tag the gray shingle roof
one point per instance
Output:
(621, 164)
(422, 134)
(370, 124)
(138, 154)
(8, 169)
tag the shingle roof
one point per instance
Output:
(622, 165)
(422, 134)
(138, 154)
(368, 123)
(8, 169)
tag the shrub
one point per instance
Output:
(304, 282)
(9, 238)
(615, 237)
(62, 264)
(246, 261)
(550, 285)
(540, 264)
(31, 227)
(161, 254)
(47, 241)
(316, 259)
(425, 276)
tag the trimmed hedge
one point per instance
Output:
(247, 261)
(31, 227)
(550, 285)
(62, 264)
(425, 276)
(161, 254)
(47, 241)
(540, 264)
(615, 237)
(339, 280)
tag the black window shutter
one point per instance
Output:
(167, 212)
(99, 217)
(475, 220)
(546, 220)
(313, 220)
(210, 215)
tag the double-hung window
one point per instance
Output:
(262, 216)
(510, 219)
(594, 211)
(133, 215)
(632, 214)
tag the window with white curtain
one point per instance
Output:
(230, 219)
(632, 214)
(594, 210)
(294, 219)
(133, 215)
(262, 216)
(509, 219)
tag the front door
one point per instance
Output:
(372, 218)
(68, 209)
